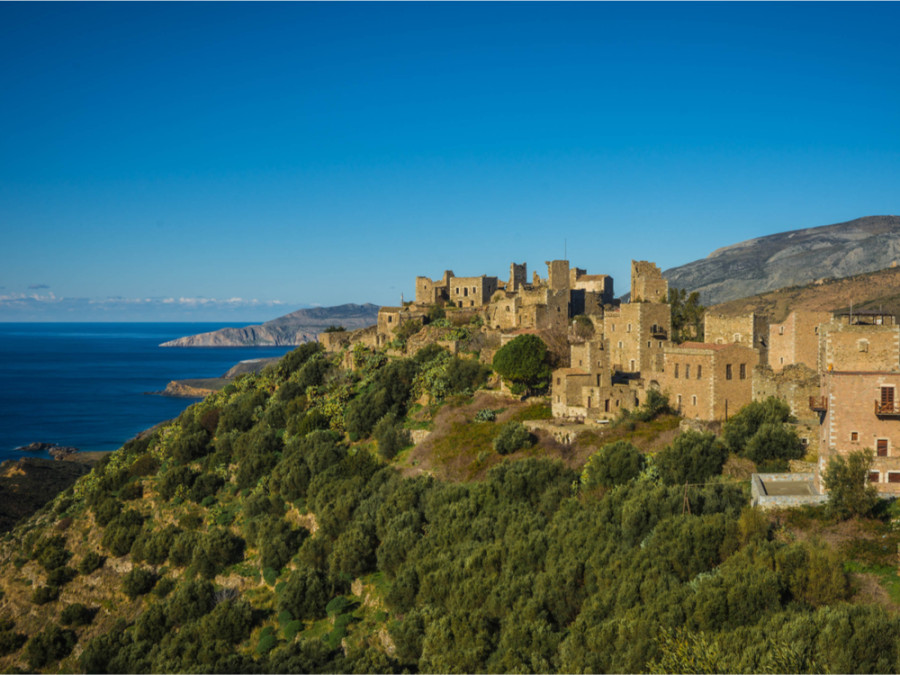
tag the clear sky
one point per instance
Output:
(175, 160)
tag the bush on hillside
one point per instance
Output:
(613, 464)
(513, 436)
(524, 362)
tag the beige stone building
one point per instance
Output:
(637, 333)
(860, 342)
(862, 410)
(647, 283)
(586, 389)
(433, 292)
(749, 330)
(706, 381)
(472, 291)
(796, 339)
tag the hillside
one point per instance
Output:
(291, 329)
(871, 291)
(285, 525)
(791, 259)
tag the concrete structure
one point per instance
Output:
(779, 490)
(708, 381)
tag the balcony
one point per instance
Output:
(658, 332)
(818, 403)
(887, 409)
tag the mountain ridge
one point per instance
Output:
(791, 258)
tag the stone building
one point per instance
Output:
(472, 291)
(637, 334)
(860, 342)
(391, 318)
(586, 389)
(433, 292)
(750, 330)
(796, 339)
(861, 410)
(706, 381)
(647, 283)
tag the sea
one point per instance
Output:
(89, 385)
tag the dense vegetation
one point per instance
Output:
(269, 530)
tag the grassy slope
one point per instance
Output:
(872, 291)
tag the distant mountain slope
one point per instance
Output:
(291, 329)
(871, 291)
(791, 258)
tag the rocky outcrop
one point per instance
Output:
(292, 329)
(791, 258)
(202, 387)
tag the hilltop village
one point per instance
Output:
(838, 372)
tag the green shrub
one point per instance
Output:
(693, 457)
(48, 646)
(44, 594)
(61, 576)
(513, 436)
(524, 362)
(10, 641)
(138, 582)
(613, 464)
(391, 436)
(847, 480)
(90, 562)
(485, 415)
(304, 595)
(77, 615)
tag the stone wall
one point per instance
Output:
(795, 385)
(750, 330)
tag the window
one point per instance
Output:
(466, 292)
(737, 337)
(687, 371)
(679, 400)
(854, 436)
(699, 371)
(579, 362)
(628, 330)
(632, 365)
(887, 398)
(457, 290)
(874, 476)
(557, 380)
(743, 371)
(676, 370)
(727, 371)
(893, 476)
(882, 447)
(648, 344)
(614, 329)
(620, 344)
(781, 330)
(390, 319)
(693, 400)
(781, 360)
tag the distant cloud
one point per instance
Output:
(46, 306)
(37, 287)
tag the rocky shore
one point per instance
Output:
(202, 387)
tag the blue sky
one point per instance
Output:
(236, 161)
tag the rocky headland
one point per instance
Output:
(291, 329)
(204, 386)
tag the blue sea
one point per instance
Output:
(85, 384)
